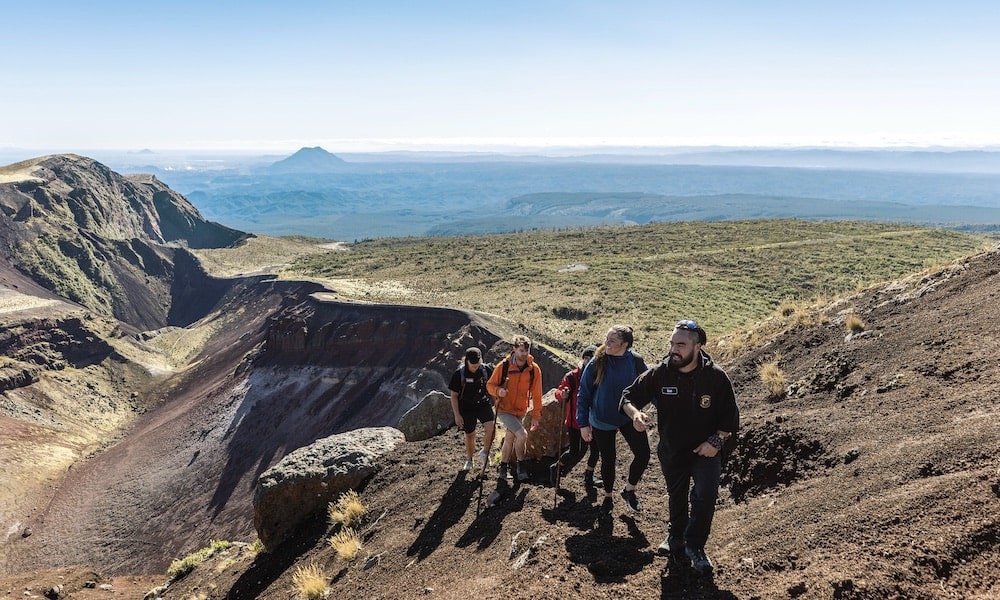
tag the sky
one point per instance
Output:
(380, 75)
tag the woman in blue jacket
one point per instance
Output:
(613, 368)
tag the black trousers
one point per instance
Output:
(577, 448)
(638, 443)
(692, 507)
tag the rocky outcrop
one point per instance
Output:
(34, 345)
(303, 483)
(544, 441)
(429, 417)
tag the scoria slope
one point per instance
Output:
(874, 476)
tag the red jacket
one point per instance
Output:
(570, 386)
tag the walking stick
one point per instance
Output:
(559, 453)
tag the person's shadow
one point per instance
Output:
(681, 582)
(449, 512)
(485, 528)
(609, 558)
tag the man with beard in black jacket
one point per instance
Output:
(696, 411)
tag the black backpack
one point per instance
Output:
(486, 373)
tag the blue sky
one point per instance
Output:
(381, 75)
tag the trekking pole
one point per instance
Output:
(559, 453)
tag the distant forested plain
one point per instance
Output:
(367, 199)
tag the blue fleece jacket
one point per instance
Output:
(597, 405)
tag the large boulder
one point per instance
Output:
(427, 418)
(544, 441)
(303, 483)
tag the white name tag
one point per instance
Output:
(668, 391)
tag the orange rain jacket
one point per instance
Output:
(521, 390)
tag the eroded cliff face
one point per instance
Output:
(388, 357)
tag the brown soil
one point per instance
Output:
(875, 476)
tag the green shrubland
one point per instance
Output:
(569, 286)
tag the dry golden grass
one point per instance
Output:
(855, 324)
(347, 543)
(773, 378)
(347, 510)
(787, 307)
(310, 582)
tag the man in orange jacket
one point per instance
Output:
(516, 385)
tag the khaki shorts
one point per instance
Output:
(512, 423)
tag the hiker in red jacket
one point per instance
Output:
(566, 393)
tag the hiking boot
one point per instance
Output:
(522, 471)
(631, 500)
(467, 466)
(481, 457)
(699, 560)
(502, 472)
(672, 549)
(607, 505)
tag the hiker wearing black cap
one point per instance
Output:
(695, 411)
(567, 392)
(471, 403)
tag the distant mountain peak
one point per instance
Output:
(308, 160)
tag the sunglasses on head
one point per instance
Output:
(687, 324)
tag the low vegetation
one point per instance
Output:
(855, 324)
(310, 582)
(347, 510)
(180, 568)
(347, 543)
(773, 378)
(727, 275)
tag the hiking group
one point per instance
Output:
(604, 395)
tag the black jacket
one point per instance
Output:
(689, 406)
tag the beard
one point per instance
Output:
(680, 361)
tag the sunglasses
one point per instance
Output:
(687, 324)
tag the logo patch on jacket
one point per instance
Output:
(706, 401)
(668, 391)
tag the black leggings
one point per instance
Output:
(638, 443)
(577, 447)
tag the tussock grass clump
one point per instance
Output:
(257, 547)
(855, 324)
(347, 510)
(773, 378)
(180, 568)
(787, 308)
(310, 582)
(347, 543)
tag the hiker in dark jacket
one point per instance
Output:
(470, 403)
(696, 411)
(613, 367)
